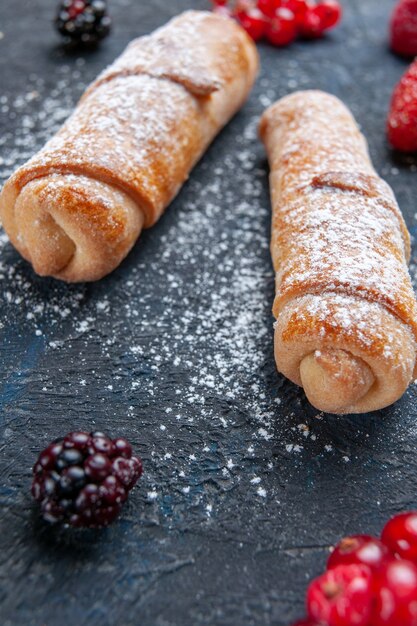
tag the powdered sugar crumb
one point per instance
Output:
(226, 315)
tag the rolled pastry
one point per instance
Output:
(78, 206)
(346, 315)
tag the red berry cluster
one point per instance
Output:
(281, 21)
(369, 581)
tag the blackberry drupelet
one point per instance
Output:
(84, 479)
(83, 21)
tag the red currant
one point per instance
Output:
(268, 7)
(342, 596)
(282, 29)
(400, 535)
(298, 7)
(219, 3)
(310, 25)
(359, 550)
(329, 12)
(254, 22)
(305, 622)
(396, 595)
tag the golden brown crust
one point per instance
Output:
(335, 379)
(81, 224)
(138, 130)
(337, 232)
(367, 186)
(365, 330)
(137, 145)
(178, 51)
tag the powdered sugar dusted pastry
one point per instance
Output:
(346, 313)
(77, 207)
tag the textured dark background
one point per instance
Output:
(245, 486)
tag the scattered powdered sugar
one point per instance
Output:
(228, 309)
(337, 226)
(190, 50)
(189, 309)
(143, 111)
(146, 124)
(262, 492)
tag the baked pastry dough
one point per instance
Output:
(346, 313)
(77, 207)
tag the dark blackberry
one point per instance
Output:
(84, 479)
(83, 21)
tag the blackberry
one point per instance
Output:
(84, 479)
(83, 21)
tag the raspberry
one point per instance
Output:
(254, 22)
(282, 29)
(359, 550)
(403, 28)
(83, 479)
(83, 21)
(396, 595)
(402, 118)
(342, 596)
(329, 12)
(400, 535)
(305, 622)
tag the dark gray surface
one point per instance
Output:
(245, 486)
